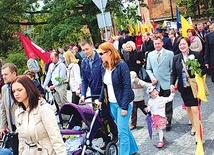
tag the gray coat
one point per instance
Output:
(6, 110)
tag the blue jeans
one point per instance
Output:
(127, 143)
(5, 152)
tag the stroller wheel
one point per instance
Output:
(111, 149)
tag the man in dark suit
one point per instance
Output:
(174, 40)
(209, 53)
(147, 46)
(166, 41)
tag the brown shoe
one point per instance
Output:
(132, 127)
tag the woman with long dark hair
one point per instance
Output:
(35, 120)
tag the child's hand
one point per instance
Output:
(146, 110)
(154, 81)
(172, 89)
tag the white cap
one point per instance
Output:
(133, 75)
(150, 89)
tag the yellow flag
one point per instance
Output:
(131, 30)
(148, 26)
(142, 29)
(199, 148)
(163, 25)
(201, 90)
(185, 25)
(42, 64)
(137, 30)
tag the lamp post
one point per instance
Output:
(171, 9)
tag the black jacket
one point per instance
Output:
(177, 69)
(209, 50)
(147, 46)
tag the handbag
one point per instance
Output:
(143, 75)
(190, 81)
(68, 86)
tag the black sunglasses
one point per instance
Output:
(103, 53)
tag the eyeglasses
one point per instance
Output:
(102, 53)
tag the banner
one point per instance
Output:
(178, 19)
(32, 50)
(185, 26)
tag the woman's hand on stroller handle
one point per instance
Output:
(98, 103)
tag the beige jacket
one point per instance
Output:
(196, 45)
(6, 110)
(41, 123)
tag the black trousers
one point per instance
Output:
(169, 105)
(136, 105)
(14, 142)
(106, 114)
(212, 74)
(75, 99)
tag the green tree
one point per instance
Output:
(58, 22)
(197, 8)
(19, 59)
(67, 18)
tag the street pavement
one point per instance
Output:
(178, 141)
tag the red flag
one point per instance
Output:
(144, 20)
(32, 50)
(154, 24)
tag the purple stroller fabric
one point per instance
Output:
(79, 113)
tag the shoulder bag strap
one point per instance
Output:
(69, 73)
(55, 67)
(185, 69)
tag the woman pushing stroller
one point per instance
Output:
(117, 92)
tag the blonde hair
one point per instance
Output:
(70, 58)
(132, 44)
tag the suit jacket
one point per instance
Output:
(177, 69)
(167, 44)
(209, 50)
(175, 48)
(161, 71)
(6, 110)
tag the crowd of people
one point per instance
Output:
(111, 71)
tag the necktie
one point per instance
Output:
(158, 56)
(10, 103)
(172, 42)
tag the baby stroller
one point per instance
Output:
(5, 146)
(92, 129)
(49, 96)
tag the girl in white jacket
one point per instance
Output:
(156, 105)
